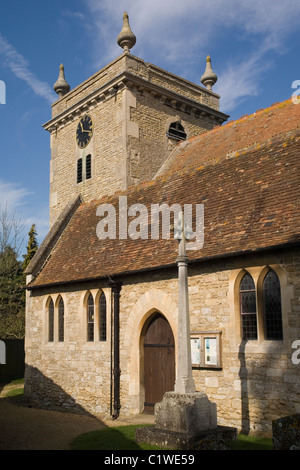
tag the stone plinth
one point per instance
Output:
(182, 421)
(216, 439)
(188, 413)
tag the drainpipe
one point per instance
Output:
(116, 289)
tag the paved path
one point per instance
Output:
(28, 428)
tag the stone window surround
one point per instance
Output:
(56, 301)
(96, 294)
(82, 325)
(259, 345)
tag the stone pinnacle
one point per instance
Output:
(126, 39)
(209, 78)
(61, 87)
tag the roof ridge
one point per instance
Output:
(229, 155)
(243, 118)
(249, 130)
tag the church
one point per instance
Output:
(129, 146)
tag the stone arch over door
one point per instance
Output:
(152, 301)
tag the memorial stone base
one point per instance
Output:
(286, 433)
(186, 421)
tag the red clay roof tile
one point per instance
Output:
(251, 201)
(235, 137)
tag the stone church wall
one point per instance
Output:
(256, 383)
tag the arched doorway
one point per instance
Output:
(159, 361)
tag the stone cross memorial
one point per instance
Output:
(184, 377)
(184, 414)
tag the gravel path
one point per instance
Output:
(24, 428)
(28, 428)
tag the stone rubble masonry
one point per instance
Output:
(132, 105)
(256, 384)
(286, 433)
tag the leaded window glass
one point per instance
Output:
(102, 317)
(61, 320)
(90, 318)
(51, 321)
(272, 307)
(248, 307)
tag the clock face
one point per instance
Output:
(84, 131)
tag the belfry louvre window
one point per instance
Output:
(176, 131)
(51, 321)
(61, 321)
(84, 168)
(88, 167)
(90, 318)
(102, 317)
(272, 307)
(79, 170)
(248, 308)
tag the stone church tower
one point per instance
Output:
(118, 127)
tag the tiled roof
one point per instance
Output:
(235, 137)
(251, 202)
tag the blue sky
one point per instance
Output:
(254, 46)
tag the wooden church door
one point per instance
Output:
(159, 361)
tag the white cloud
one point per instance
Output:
(176, 26)
(241, 80)
(12, 196)
(179, 35)
(20, 67)
(77, 15)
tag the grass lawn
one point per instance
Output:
(14, 388)
(123, 438)
(115, 438)
(251, 443)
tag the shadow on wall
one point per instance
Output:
(28, 424)
(266, 396)
(38, 429)
(243, 374)
(45, 393)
